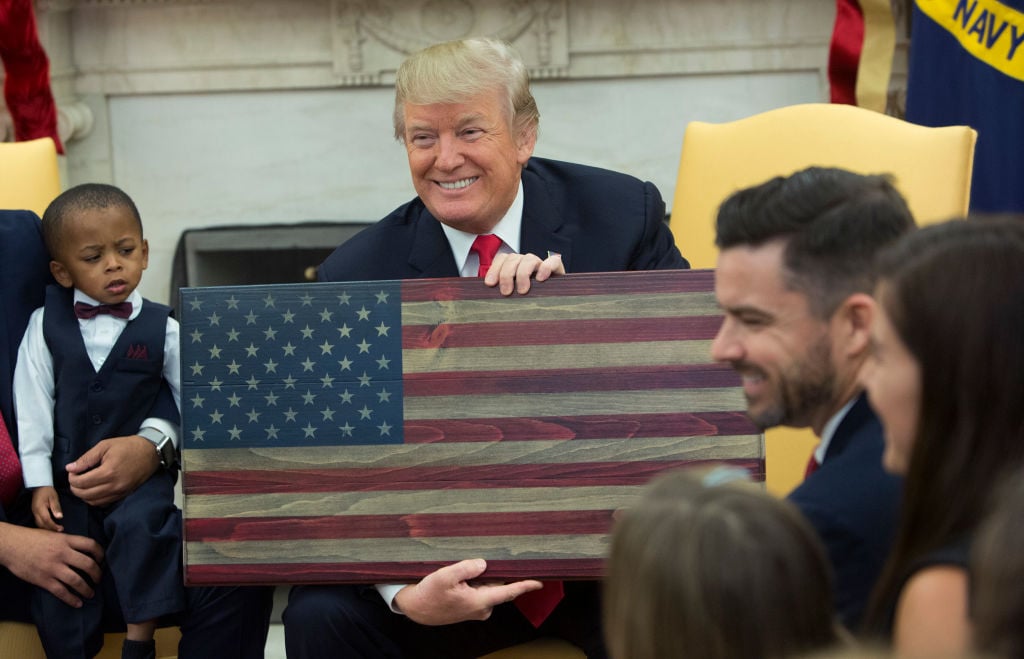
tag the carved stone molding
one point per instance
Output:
(134, 47)
(6, 126)
(370, 38)
(74, 121)
(64, 5)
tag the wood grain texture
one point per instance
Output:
(374, 431)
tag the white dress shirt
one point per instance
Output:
(508, 229)
(34, 383)
(829, 431)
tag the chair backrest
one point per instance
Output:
(24, 275)
(29, 175)
(931, 167)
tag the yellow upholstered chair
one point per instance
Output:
(29, 175)
(931, 166)
(19, 639)
(544, 648)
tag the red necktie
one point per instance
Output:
(537, 605)
(812, 466)
(486, 246)
(10, 467)
(119, 310)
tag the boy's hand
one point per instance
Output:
(46, 508)
(111, 470)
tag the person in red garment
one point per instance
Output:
(26, 74)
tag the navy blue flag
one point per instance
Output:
(967, 68)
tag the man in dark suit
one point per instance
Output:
(218, 622)
(794, 280)
(594, 220)
(29, 556)
(484, 207)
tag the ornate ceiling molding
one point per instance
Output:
(65, 5)
(132, 47)
(370, 38)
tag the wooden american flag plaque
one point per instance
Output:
(375, 431)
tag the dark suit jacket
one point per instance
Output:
(598, 220)
(24, 275)
(854, 505)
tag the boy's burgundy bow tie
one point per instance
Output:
(119, 310)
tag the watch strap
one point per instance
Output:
(165, 449)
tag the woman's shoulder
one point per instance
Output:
(931, 614)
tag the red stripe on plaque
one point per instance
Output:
(404, 479)
(376, 572)
(583, 379)
(422, 431)
(557, 332)
(556, 522)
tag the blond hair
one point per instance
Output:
(716, 569)
(455, 71)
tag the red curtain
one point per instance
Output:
(26, 74)
(845, 50)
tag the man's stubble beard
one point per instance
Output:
(803, 389)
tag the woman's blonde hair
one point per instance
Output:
(719, 570)
(454, 71)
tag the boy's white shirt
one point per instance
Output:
(34, 385)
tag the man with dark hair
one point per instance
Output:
(794, 280)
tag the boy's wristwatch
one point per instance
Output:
(164, 447)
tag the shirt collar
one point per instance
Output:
(829, 431)
(507, 229)
(135, 298)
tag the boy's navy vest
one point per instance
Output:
(129, 388)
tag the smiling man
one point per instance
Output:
(793, 279)
(484, 207)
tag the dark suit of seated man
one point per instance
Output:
(485, 207)
(221, 623)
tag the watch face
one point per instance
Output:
(168, 456)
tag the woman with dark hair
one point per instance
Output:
(946, 377)
(711, 568)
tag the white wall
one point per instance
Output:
(253, 157)
(260, 111)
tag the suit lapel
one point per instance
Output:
(542, 219)
(851, 424)
(430, 255)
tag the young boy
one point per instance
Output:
(96, 362)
